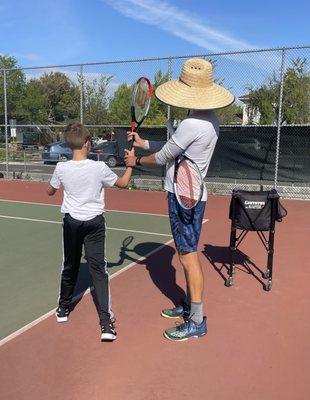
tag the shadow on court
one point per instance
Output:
(220, 258)
(158, 265)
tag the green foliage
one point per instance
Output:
(49, 99)
(61, 97)
(15, 86)
(229, 115)
(119, 108)
(96, 101)
(296, 96)
(158, 111)
(54, 98)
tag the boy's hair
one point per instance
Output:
(76, 135)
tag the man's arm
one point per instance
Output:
(169, 152)
(151, 145)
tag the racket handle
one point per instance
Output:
(134, 126)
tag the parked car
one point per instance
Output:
(30, 141)
(57, 151)
(107, 152)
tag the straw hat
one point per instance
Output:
(195, 88)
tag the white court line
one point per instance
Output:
(107, 210)
(59, 223)
(50, 313)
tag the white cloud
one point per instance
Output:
(179, 23)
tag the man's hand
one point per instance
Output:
(138, 142)
(130, 158)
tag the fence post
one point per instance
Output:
(81, 94)
(169, 108)
(6, 125)
(279, 123)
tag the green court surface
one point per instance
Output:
(31, 256)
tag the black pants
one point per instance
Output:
(92, 234)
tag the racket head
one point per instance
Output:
(141, 100)
(188, 184)
(127, 241)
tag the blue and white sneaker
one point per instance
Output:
(181, 311)
(187, 330)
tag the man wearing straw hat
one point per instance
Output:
(197, 134)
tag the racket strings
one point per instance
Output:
(141, 99)
(188, 184)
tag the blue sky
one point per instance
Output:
(71, 31)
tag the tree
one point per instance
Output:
(119, 108)
(15, 86)
(32, 104)
(296, 96)
(96, 101)
(229, 115)
(62, 97)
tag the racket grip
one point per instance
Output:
(131, 144)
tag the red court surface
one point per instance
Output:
(257, 346)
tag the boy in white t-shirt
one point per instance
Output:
(83, 181)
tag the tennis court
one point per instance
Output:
(257, 345)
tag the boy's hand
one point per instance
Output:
(138, 142)
(130, 158)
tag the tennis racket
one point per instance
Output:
(188, 182)
(140, 103)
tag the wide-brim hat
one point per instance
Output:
(195, 88)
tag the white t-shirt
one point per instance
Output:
(197, 136)
(83, 183)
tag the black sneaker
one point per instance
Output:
(108, 333)
(62, 314)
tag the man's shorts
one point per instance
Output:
(185, 224)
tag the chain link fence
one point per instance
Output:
(264, 136)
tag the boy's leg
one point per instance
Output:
(72, 251)
(94, 242)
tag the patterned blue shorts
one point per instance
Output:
(185, 224)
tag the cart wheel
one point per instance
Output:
(229, 281)
(267, 286)
(266, 274)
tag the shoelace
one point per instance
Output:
(109, 327)
(187, 321)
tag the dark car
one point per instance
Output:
(57, 151)
(30, 141)
(107, 152)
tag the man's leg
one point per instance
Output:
(186, 227)
(193, 274)
(194, 282)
